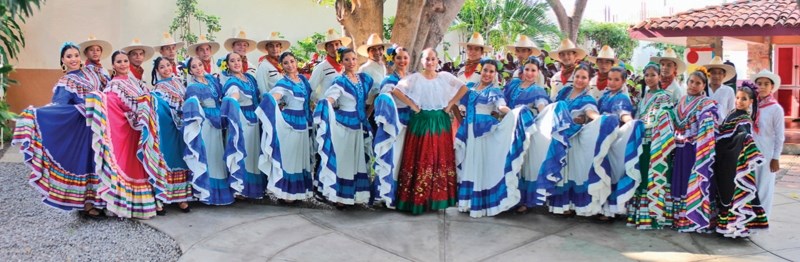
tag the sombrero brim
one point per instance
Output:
(148, 51)
(345, 42)
(362, 50)
(578, 51)
(776, 80)
(680, 63)
(730, 72)
(593, 59)
(192, 50)
(536, 50)
(486, 48)
(230, 41)
(105, 45)
(178, 45)
(262, 45)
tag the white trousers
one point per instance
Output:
(765, 180)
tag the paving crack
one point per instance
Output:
(348, 235)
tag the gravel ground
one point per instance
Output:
(32, 231)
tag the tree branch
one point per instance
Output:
(561, 14)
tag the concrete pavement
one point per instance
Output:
(266, 231)
(259, 232)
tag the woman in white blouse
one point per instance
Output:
(427, 179)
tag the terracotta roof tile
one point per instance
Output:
(743, 13)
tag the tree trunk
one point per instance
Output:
(406, 22)
(432, 22)
(569, 24)
(360, 19)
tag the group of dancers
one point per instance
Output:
(699, 157)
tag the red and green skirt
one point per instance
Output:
(427, 179)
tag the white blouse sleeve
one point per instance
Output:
(778, 126)
(335, 91)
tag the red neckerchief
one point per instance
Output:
(207, 66)
(174, 66)
(332, 61)
(89, 62)
(763, 103)
(566, 72)
(245, 66)
(602, 81)
(137, 71)
(666, 81)
(470, 67)
(273, 61)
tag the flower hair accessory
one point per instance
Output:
(704, 70)
(222, 64)
(68, 44)
(390, 53)
(751, 85)
(339, 54)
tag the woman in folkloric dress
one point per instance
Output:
(651, 205)
(391, 118)
(202, 133)
(525, 92)
(242, 141)
(168, 93)
(585, 184)
(740, 212)
(427, 179)
(126, 144)
(286, 145)
(343, 136)
(57, 143)
(489, 153)
(695, 121)
(623, 156)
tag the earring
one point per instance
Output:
(64, 68)
(113, 73)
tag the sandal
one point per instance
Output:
(88, 213)
(186, 209)
(522, 210)
(603, 219)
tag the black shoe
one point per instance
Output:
(161, 212)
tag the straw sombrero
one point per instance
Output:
(373, 40)
(566, 46)
(776, 80)
(524, 42)
(202, 40)
(92, 41)
(273, 37)
(730, 72)
(167, 40)
(670, 55)
(477, 40)
(606, 52)
(240, 35)
(137, 44)
(330, 36)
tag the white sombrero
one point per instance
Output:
(274, 37)
(93, 41)
(606, 52)
(202, 40)
(776, 80)
(524, 42)
(477, 40)
(136, 44)
(670, 55)
(730, 72)
(373, 40)
(240, 35)
(330, 36)
(566, 46)
(167, 40)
